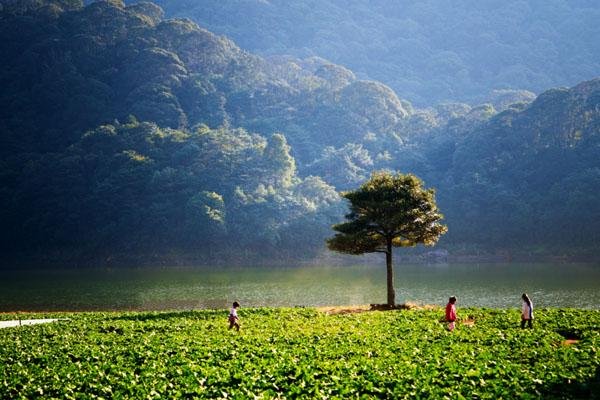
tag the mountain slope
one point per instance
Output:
(427, 51)
(132, 138)
(529, 176)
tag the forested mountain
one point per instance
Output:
(428, 51)
(529, 178)
(78, 182)
(130, 138)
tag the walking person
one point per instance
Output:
(451, 313)
(234, 320)
(526, 312)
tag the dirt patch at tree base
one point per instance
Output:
(334, 310)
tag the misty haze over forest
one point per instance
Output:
(222, 132)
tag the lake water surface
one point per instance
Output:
(489, 285)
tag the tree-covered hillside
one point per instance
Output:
(530, 178)
(83, 179)
(127, 136)
(427, 51)
(157, 193)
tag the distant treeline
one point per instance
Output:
(428, 51)
(126, 134)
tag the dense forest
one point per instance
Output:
(128, 137)
(427, 51)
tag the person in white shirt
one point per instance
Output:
(526, 312)
(233, 317)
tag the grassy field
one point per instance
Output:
(303, 353)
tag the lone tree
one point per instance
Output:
(388, 210)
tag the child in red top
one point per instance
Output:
(451, 312)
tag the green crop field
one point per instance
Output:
(303, 353)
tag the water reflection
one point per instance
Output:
(490, 285)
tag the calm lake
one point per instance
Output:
(490, 285)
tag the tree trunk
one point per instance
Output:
(391, 294)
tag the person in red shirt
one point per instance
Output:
(451, 313)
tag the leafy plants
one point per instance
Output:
(302, 353)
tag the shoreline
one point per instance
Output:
(327, 309)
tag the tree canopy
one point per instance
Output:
(389, 210)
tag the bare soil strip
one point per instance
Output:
(334, 310)
(570, 342)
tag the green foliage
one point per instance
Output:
(388, 210)
(132, 188)
(303, 353)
